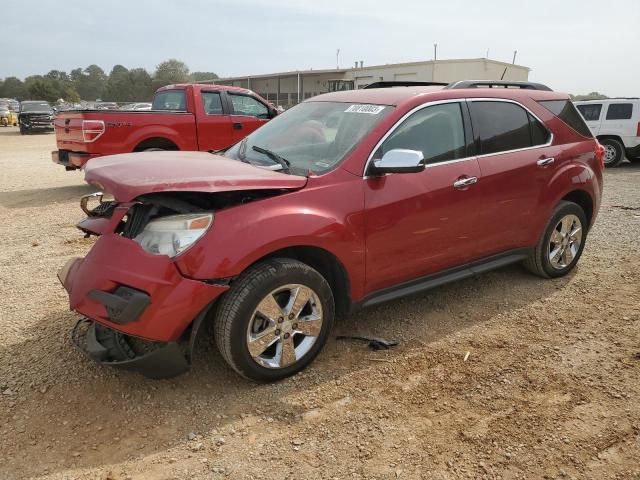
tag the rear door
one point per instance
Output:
(516, 161)
(247, 114)
(213, 121)
(618, 120)
(421, 223)
(591, 112)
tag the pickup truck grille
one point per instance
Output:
(37, 120)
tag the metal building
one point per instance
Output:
(289, 88)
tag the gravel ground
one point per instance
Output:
(549, 387)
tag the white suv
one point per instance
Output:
(615, 122)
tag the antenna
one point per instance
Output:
(515, 52)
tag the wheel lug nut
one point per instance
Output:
(277, 332)
(286, 335)
(294, 326)
(291, 316)
(280, 319)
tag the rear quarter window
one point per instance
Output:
(566, 111)
(620, 111)
(173, 100)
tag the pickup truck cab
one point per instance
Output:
(615, 122)
(183, 117)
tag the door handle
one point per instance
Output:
(237, 126)
(546, 161)
(465, 182)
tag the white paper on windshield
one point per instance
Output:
(370, 109)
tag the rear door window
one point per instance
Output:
(620, 111)
(590, 111)
(566, 111)
(436, 131)
(500, 126)
(170, 100)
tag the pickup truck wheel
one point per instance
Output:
(153, 150)
(561, 244)
(613, 152)
(23, 131)
(274, 320)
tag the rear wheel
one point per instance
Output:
(613, 152)
(23, 131)
(561, 243)
(274, 320)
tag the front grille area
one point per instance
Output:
(136, 219)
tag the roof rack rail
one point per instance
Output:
(399, 83)
(496, 84)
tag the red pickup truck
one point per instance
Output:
(183, 117)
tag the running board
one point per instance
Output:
(441, 278)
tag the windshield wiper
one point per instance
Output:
(286, 165)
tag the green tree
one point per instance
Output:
(41, 88)
(13, 87)
(202, 76)
(141, 85)
(118, 87)
(89, 82)
(70, 94)
(169, 72)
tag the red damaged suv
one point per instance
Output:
(347, 200)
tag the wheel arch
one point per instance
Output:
(156, 142)
(326, 263)
(610, 137)
(583, 199)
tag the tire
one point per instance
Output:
(614, 152)
(153, 150)
(4, 122)
(23, 131)
(539, 261)
(238, 322)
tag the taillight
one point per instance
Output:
(638, 130)
(91, 130)
(600, 154)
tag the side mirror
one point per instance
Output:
(399, 160)
(273, 112)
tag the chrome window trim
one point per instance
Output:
(456, 160)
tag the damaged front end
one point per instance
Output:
(141, 312)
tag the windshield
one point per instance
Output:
(312, 136)
(35, 107)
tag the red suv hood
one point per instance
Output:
(130, 175)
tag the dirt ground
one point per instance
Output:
(549, 388)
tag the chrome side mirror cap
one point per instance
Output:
(399, 160)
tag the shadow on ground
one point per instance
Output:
(101, 416)
(39, 197)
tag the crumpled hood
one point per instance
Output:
(130, 175)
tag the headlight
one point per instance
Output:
(172, 235)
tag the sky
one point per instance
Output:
(576, 46)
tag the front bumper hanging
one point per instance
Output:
(110, 347)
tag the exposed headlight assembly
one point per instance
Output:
(173, 234)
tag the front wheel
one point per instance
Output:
(561, 243)
(274, 320)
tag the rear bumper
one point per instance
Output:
(121, 286)
(71, 160)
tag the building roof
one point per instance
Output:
(368, 67)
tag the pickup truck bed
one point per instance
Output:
(185, 117)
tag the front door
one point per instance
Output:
(248, 114)
(421, 223)
(214, 123)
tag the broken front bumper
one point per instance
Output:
(166, 361)
(121, 286)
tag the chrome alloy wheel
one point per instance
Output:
(609, 154)
(565, 242)
(284, 326)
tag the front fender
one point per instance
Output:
(329, 217)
